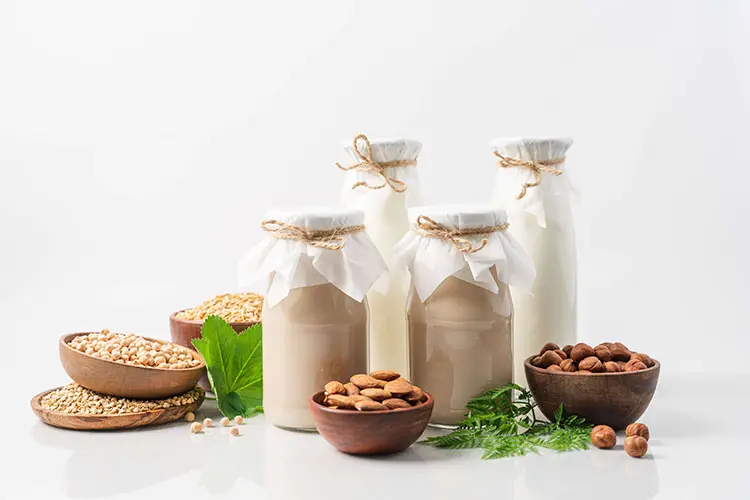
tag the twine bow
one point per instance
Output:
(428, 227)
(537, 167)
(367, 164)
(328, 239)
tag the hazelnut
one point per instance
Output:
(634, 366)
(591, 364)
(554, 368)
(567, 349)
(603, 353)
(637, 429)
(549, 346)
(582, 372)
(561, 353)
(537, 361)
(610, 367)
(619, 352)
(603, 436)
(550, 358)
(644, 358)
(621, 364)
(581, 351)
(568, 365)
(636, 446)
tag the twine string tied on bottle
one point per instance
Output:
(328, 239)
(537, 167)
(363, 149)
(431, 229)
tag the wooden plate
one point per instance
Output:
(110, 422)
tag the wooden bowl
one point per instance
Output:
(110, 422)
(126, 381)
(183, 331)
(614, 399)
(370, 432)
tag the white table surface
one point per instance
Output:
(698, 449)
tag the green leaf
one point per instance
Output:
(559, 414)
(235, 366)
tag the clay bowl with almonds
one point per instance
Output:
(616, 398)
(371, 416)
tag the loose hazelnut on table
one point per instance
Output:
(581, 351)
(238, 420)
(235, 431)
(226, 422)
(189, 416)
(196, 427)
(568, 365)
(638, 429)
(591, 364)
(636, 446)
(207, 422)
(603, 436)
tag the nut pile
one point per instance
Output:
(76, 400)
(636, 438)
(136, 351)
(231, 307)
(582, 359)
(380, 390)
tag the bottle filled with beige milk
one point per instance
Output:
(534, 188)
(381, 180)
(460, 313)
(315, 267)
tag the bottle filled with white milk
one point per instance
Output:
(315, 268)
(380, 180)
(533, 187)
(460, 313)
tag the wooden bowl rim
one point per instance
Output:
(606, 374)
(336, 411)
(195, 322)
(70, 336)
(36, 405)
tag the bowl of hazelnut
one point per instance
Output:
(375, 414)
(607, 384)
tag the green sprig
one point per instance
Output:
(502, 422)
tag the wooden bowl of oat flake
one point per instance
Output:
(240, 310)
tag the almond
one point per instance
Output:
(549, 346)
(386, 375)
(591, 364)
(343, 402)
(398, 387)
(335, 387)
(370, 405)
(376, 394)
(351, 389)
(416, 395)
(581, 351)
(393, 403)
(358, 397)
(365, 381)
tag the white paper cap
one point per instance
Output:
(318, 217)
(532, 148)
(388, 149)
(461, 216)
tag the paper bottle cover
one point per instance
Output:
(276, 266)
(431, 260)
(510, 180)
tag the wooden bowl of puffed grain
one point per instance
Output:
(117, 378)
(240, 310)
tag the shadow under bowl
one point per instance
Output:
(614, 399)
(126, 381)
(370, 432)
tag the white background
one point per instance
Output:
(142, 141)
